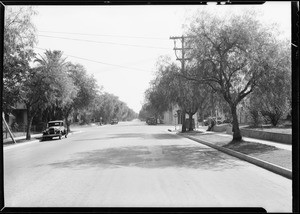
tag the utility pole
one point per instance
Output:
(182, 49)
(182, 60)
(7, 127)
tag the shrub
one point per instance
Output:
(255, 117)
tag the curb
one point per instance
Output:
(30, 142)
(266, 165)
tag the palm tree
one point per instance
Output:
(52, 59)
(53, 67)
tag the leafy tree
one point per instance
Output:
(62, 90)
(157, 102)
(169, 88)
(19, 39)
(87, 90)
(157, 96)
(47, 86)
(108, 106)
(144, 112)
(254, 114)
(32, 93)
(273, 94)
(230, 55)
(131, 114)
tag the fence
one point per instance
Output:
(20, 129)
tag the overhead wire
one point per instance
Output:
(111, 43)
(104, 63)
(105, 35)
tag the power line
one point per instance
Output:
(106, 35)
(104, 63)
(111, 43)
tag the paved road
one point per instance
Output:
(135, 165)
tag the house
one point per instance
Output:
(17, 119)
(18, 115)
(173, 116)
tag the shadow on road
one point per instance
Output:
(134, 135)
(175, 156)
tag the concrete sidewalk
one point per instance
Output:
(270, 143)
(33, 137)
(272, 156)
(36, 137)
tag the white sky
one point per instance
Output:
(121, 24)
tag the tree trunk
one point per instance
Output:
(202, 117)
(235, 125)
(183, 128)
(67, 123)
(66, 115)
(29, 122)
(191, 122)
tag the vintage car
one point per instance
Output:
(55, 129)
(114, 121)
(151, 121)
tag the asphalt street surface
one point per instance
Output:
(132, 164)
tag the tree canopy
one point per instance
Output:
(19, 39)
(231, 55)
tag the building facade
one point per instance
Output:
(173, 116)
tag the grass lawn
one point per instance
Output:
(249, 148)
(264, 152)
(17, 134)
(283, 129)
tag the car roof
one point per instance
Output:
(55, 121)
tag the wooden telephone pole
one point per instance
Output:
(182, 59)
(7, 128)
(182, 49)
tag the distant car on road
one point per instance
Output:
(114, 121)
(151, 121)
(55, 129)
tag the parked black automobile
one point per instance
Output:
(114, 121)
(55, 129)
(151, 121)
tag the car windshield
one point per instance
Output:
(55, 124)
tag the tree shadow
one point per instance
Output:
(195, 133)
(53, 139)
(248, 148)
(191, 133)
(174, 156)
(134, 135)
